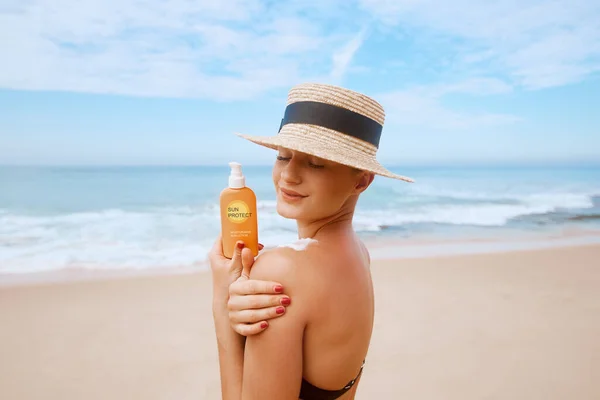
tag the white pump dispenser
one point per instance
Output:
(236, 178)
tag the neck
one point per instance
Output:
(310, 229)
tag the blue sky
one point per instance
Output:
(154, 82)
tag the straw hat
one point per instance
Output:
(331, 123)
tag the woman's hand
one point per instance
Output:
(252, 303)
(225, 271)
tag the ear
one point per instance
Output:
(364, 181)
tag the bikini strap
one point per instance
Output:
(351, 383)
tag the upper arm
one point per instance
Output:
(365, 251)
(273, 359)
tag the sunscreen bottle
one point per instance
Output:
(238, 213)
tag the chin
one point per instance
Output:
(287, 211)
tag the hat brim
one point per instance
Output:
(325, 151)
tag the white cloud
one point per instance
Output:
(474, 86)
(206, 48)
(343, 57)
(423, 106)
(535, 43)
(240, 49)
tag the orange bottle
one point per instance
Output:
(238, 213)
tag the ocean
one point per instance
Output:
(54, 218)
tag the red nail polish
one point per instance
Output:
(286, 301)
(240, 245)
(278, 289)
(280, 310)
(264, 325)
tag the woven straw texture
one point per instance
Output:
(326, 143)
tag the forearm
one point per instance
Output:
(231, 353)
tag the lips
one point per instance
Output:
(291, 194)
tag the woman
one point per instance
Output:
(326, 149)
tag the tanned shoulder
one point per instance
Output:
(279, 265)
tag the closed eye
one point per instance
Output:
(316, 166)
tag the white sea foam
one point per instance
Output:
(492, 213)
(142, 219)
(106, 239)
(181, 236)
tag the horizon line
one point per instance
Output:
(536, 163)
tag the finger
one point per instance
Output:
(256, 301)
(253, 286)
(247, 262)
(251, 329)
(252, 316)
(260, 246)
(235, 268)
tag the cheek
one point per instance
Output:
(332, 191)
(275, 175)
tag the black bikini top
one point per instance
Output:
(310, 392)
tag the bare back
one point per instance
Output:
(334, 282)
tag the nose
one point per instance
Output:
(291, 172)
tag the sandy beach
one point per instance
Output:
(513, 325)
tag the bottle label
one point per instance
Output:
(238, 212)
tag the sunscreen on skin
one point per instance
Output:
(238, 213)
(300, 244)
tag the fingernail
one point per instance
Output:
(240, 245)
(286, 301)
(264, 325)
(280, 310)
(278, 289)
